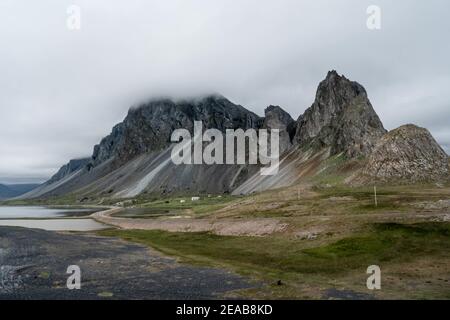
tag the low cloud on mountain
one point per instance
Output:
(63, 90)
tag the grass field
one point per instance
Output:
(333, 235)
(307, 272)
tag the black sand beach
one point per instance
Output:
(33, 265)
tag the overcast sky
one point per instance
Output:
(61, 90)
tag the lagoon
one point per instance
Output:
(49, 218)
(34, 212)
(56, 224)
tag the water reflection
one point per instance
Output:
(49, 218)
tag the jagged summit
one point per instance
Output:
(341, 118)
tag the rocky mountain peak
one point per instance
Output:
(276, 113)
(277, 118)
(407, 154)
(341, 118)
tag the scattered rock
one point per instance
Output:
(307, 235)
(435, 205)
(9, 279)
(341, 199)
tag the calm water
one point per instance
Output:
(56, 224)
(41, 212)
(52, 219)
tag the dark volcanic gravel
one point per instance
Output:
(33, 265)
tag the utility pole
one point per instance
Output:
(375, 192)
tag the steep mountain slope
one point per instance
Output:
(340, 126)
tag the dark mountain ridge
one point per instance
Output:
(135, 157)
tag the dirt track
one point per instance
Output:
(226, 227)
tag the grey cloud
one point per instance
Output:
(62, 90)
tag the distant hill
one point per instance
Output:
(15, 190)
